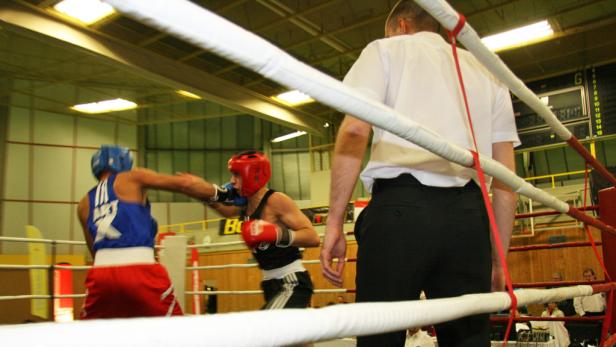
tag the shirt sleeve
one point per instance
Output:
(503, 120)
(368, 75)
(601, 302)
(577, 304)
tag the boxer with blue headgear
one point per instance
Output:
(119, 230)
(111, 158)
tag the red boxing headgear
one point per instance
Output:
(254, 169)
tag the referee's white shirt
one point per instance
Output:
(594, 303)
(415, 75)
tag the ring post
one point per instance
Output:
(173, 258)
(607, 213)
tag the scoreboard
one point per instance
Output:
(584, 101)
(602, 90)
(568, 105)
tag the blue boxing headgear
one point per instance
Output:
(111, 158)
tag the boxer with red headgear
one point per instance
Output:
(254, 170)
(274, 228)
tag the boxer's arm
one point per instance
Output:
(294, 219)
(188, 184)
(226, 211)
(133, 185)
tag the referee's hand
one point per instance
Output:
(334, 248)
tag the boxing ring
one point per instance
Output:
(317, 324)
(273, 328)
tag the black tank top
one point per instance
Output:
(268, 255)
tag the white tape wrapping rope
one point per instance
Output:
(276, 327)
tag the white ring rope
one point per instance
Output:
(23, 267)
(204, 29)
(253, 292)
(224, 292)
(32, 267)
(25, 297)
(219, 244)
(202, 292)
(57, 242)
(216, 267)
(256, 327)
(73, 267)
(448, 17)
(231, 266)
(312, 261)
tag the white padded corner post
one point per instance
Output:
(173, 257)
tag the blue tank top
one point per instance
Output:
(113, 223)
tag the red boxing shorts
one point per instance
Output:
(129, 291)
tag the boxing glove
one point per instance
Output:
(227, 195)
(256, 231)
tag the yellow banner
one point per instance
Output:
(38, 277)
(230, 226)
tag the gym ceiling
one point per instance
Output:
(62, 62)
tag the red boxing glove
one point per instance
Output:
(257, 230)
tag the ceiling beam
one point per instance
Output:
(263, 28)
(593, 25)
(303, 23)
(162, 35)
(558, 35)
(187, 118)
(298, 19)
(30, 20)
(351, 52)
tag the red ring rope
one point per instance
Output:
(551, 213)
(602, 287)
(557, 319)
(578, 147)
(556, 284)
(606, 322)
(552, 246)
(610, 342)
(480, 174)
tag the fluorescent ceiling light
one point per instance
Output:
(519, 37)
(288, 136)
(86, 11)
(105, 106)
(293, 98)
(188, 94)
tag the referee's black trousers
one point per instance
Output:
(413, 237)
